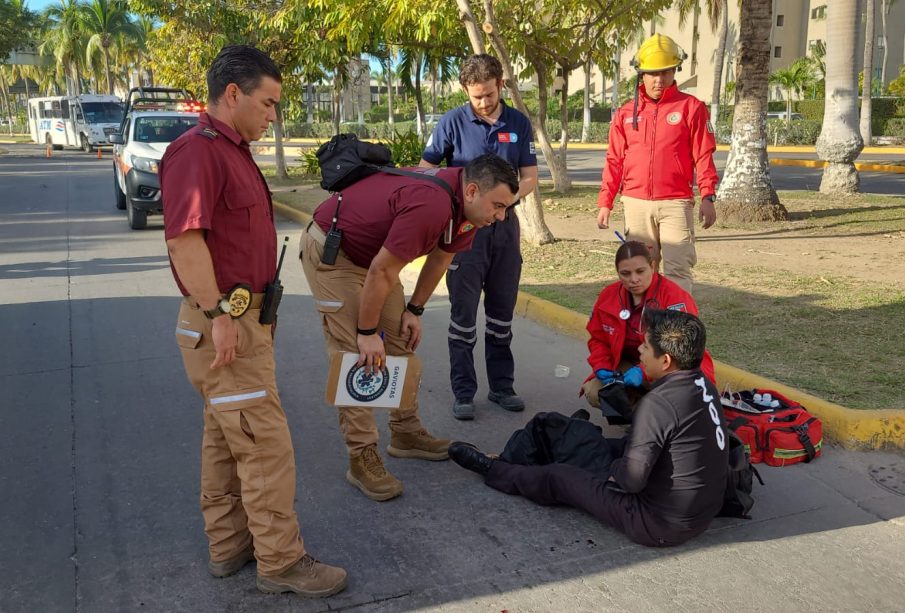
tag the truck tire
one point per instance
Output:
(117, 192)
(138, 220)
(86, 146)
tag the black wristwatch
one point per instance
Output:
(711, 198)
(414, 310)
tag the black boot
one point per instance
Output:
(468, 456)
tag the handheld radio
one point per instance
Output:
(273, 293)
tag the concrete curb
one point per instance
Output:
(820, 164)
(853, 429)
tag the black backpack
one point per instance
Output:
(344, 160)
(737, 500)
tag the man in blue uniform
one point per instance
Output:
(494, 263)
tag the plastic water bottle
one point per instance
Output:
(560, 371)
(768, 399)
(758, 399)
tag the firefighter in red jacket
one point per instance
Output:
(615, 324)
(659, 145)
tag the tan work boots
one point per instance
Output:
(367, 473)
(307, 577)
(419, 445)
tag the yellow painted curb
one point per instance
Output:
(820, 164)
(853, 429)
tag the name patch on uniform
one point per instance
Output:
(466, 227)
(629, 120)
(673, 118)
(507, 137)
(677, 307)
(210, 133)
(531, 148)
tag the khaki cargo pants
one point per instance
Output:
(247, 460)
(337, 290)
(667, 226)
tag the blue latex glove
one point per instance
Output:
(605, 376)
(633, 377)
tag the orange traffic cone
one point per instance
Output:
(99, 156)
(49, 152)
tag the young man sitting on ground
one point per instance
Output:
(669, 483)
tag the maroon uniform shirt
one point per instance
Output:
(210, 182)
(408, 216)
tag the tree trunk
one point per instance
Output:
(614, 95)
(839, 142)
(309, 107)
(746, 192)
(471, 26)
(390, 85)
(107, 69)
(419, 99)
(337, 101)
(279, 153)
(586, 107)
(566, 184)
(789, 107)
(434, 89)
(718, 61)
(868, 89)
(530, 212)
(884, 9)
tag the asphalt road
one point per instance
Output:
(100, 444)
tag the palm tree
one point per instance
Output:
(794, 79)
(718, 15)
(102, 21)
(839, 142)
(64, 41)
(746, 192)
(866, 103)
(411, 67)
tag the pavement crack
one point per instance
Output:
(368, 603)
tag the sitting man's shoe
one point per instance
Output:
(233, 564)
(507, 399)
(463, 409)
(420, 445)
(368, 474)
(307, 577)
(468, 456)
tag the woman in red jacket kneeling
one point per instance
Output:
(615, 324)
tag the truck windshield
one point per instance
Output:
(162, 129)
(103, 112)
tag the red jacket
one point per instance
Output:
(658, 161)
(608, 331)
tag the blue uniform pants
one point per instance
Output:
(494, 266)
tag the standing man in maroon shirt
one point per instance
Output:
(387, 221)
(222, 245)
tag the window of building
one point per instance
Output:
(818, 12)
(780, 20)
(777, 51)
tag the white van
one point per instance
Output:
(76, 121)
(782, 115)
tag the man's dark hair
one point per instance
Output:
(489, 170)
(480, 68)
(240, 64)
(631, 249)
(679, 334)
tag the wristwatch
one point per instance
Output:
(414, 310)
(222, 308)
(711, 198)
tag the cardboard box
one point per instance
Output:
(394, 386)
